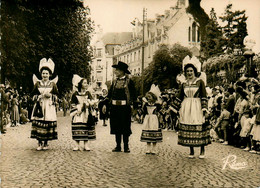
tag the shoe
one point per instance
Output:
(225, 143)
(201, 156)
(246, 149)
(153, 153)
(39, 148)
(191, 156)
(147, 152)
(116, 149)
(252, 151)
(127, 150)
(76, 149)
(45, 148)
(86, 148)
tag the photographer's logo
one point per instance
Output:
(231, 162)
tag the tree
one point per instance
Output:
(166, 65)
(50, 28)
(213, 42)
(199, 15)
(228, 63)
(235, 29)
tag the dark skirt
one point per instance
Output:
(102, 115)
(257, 118)
(83, 132)
(151, 136)
(194, 135)
(120, 120)
(44, 130)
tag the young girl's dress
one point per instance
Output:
(256, 126)
(246, 126)
(83, 125)
(151, 131)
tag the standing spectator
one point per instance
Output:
(230, 100)
(30, 105)
(223, 122)
(44, 114)
(246, 127)
(15, 116)
(121, 94)
(64, 106)
(217, 102)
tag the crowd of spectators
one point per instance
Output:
(233, 113)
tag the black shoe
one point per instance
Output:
(127, 150)
(116, 149)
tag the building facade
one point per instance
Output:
(104, 47)
(175, 26)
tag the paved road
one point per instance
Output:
(22, 166)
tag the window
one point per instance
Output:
(194, 32)
(189, 34)
(135, 56)
(198, 35)
(99, 52)
(99, 62)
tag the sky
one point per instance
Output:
(116, 15)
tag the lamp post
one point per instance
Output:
(142, 68)
(249, 54)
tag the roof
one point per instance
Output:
(116, 38)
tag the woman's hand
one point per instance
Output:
(47, 95)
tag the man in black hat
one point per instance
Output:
(121, 95)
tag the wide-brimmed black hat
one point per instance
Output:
(122, 66)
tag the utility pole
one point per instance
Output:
(142, 69)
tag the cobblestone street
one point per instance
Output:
(22, 166)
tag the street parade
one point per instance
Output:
(116, 115)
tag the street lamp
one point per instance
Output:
(249, 54)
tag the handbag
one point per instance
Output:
(38, 110)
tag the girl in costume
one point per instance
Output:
(103, 106)
(44, 118)
(83, 124)
(151, 132)
(191, 104)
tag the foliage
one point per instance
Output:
(33, 29)
(235, 29)
(213, 42)
(228, 63)
(166, 65)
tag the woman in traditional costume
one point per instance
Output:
(45, 96)
(191, 103)
(83, 124)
